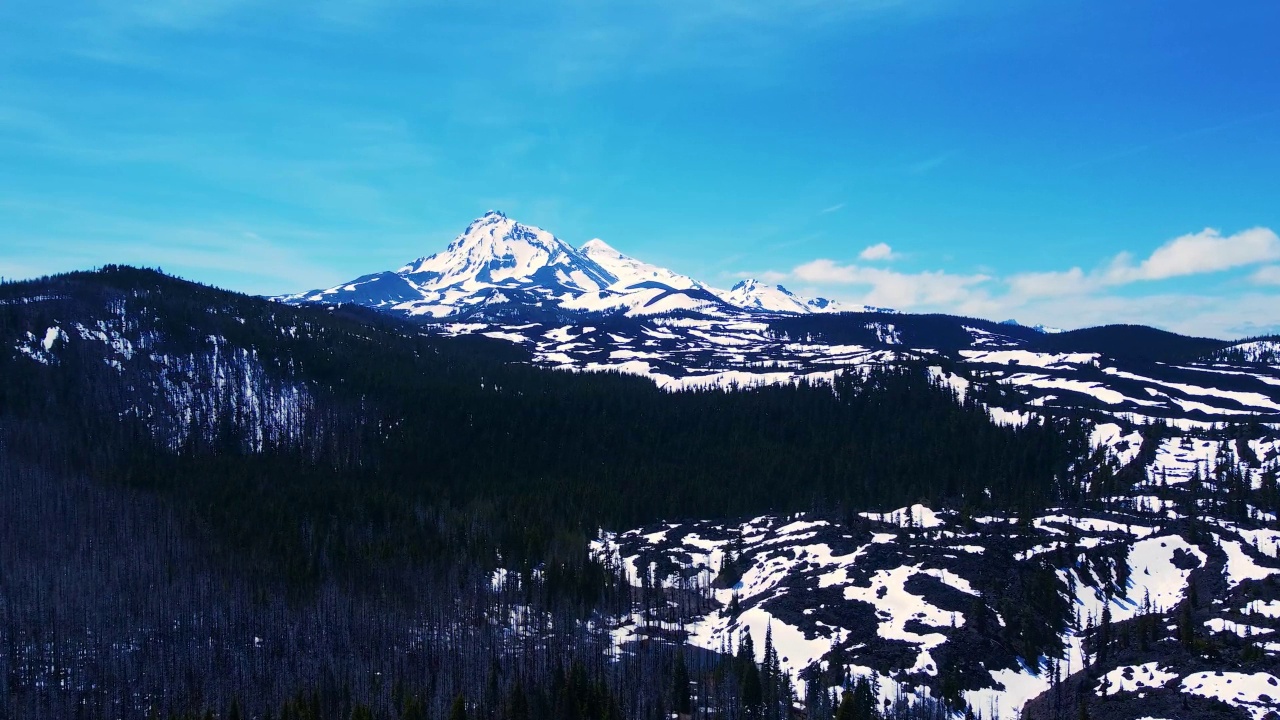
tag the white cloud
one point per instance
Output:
(827, 272)
(834, 208)
(1052, 284)
(1203, 252)
(879, 251)
(1269, 275)
(1094, 297)
(1207, 251)
(891, 288)
(1222, 316)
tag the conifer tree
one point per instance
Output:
(682, 702)
(518, 703)
(846, 711)
(459, 709)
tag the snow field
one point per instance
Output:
(1133, 678)
(895, 607)
(1241, 567)
(1257, 694)
(1219, 625)
(917, 516)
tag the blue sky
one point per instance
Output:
(1071, 163)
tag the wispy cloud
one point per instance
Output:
(1174, 139)
(256, 258)
(889, 287)
(929, 164)
(168, 14)
(245, 260)
(1269, 275)
(343, 166)
(122, 17)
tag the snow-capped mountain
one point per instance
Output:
(493, 262)
(502, 268)
(495, 249)
(752, 294)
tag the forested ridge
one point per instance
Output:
(338, 487)
(398, 413)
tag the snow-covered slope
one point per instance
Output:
(643, 289)
(168, 381)
(502, 268)
(756, 295)
(1266, 352)
(495, 261)
(992, 614)
(1031, 371)
(494, 249)
(631, 273)
(752, 294)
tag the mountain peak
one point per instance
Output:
(755, 295)
(496, 251)
(596, 245)
(754, 285)
(489, 218)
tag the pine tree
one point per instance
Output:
(518, 703)
(1104, 634)
(771, 671)
(864, 700)
(681, 699)
(1186, 625)
(459, 709)
(846, 711)
(752, 692)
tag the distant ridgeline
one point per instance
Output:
(325, 493)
